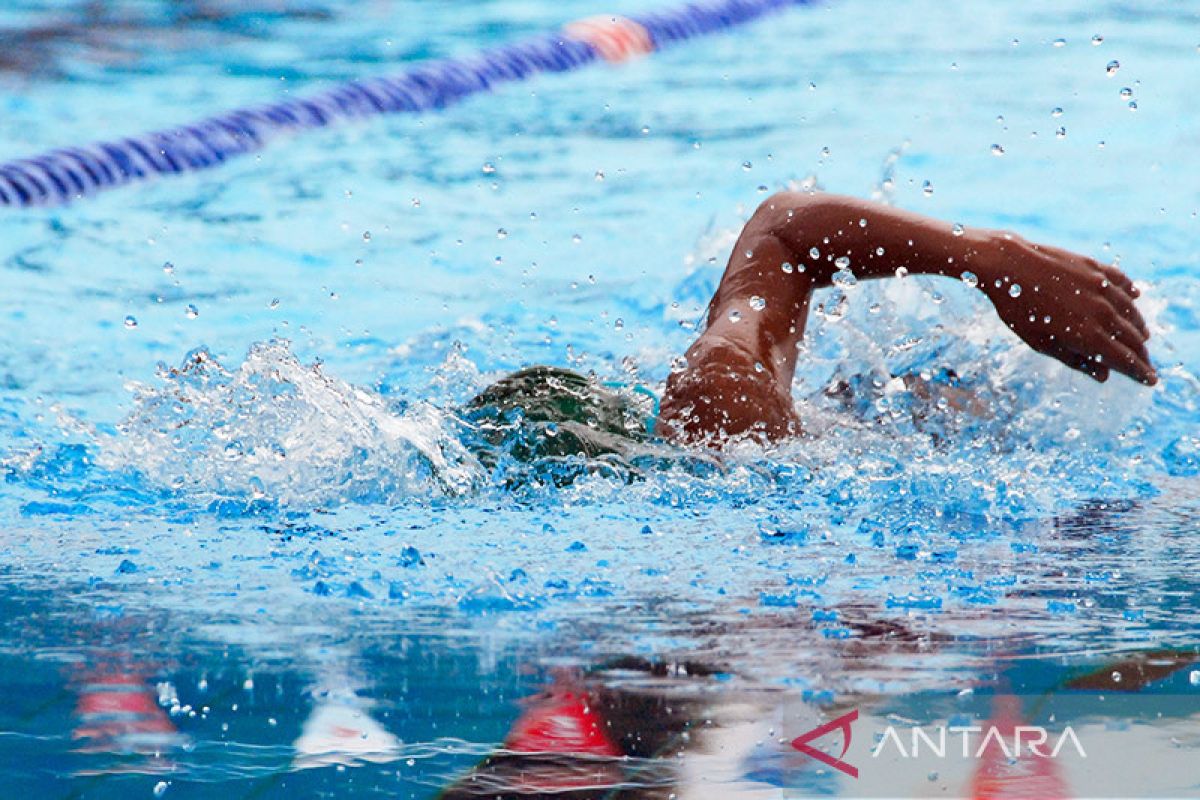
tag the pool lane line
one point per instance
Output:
(70, 173)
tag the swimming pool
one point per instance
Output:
(213, 566)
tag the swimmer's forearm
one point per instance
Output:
(1062, 304)
(824, 233)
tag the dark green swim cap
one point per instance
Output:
(543, 412)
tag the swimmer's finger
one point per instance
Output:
(1125, 360)
(1089, 367)
(1120, 279)
(1126, 309)
(1128, 334)
(1085, 364)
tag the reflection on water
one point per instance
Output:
(118, 712)
(110, 702)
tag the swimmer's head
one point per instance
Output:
(547, 411)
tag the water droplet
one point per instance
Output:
(488, 168)
(997, 150)
(927, 188)
(844, 279)
(841, 262)
(862, 223)
(786, 267)
(1061, 133)
(836, 309)
(757, 303)
(1056, 111)
(248, 684)
(1097, 40)
(645, 130)
(599, 175)
(970, 279)
(501, 233)
(168, 268)
(1112, 67)
(130, 322)
(825, 152)
(958, 229)
(619, 323)
(814, 253)
(1116, 676)
(1014, 290)
(735, 315)
(576, 239)
(1133, 105)
(274, 303)
(933, 776)
(747, 166)
(1126, 93)
(366, 236)
(191, 311)
(160, 788)
(1060, 42)
(901, 272)
(1194, 677)
(879, 251)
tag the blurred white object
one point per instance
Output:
(340, 730)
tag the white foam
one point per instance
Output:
(276, 429)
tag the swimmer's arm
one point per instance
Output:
(737, 375)
(1067, 306)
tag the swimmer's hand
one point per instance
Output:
(1067, 306)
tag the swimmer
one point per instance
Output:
(738, 375)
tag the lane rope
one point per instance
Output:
(70, 173)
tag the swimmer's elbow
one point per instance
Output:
(774, 215)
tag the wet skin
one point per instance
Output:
(739, 372)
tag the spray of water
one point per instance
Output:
(281, 431)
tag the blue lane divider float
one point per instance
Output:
(68, 173)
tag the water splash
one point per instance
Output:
(276, 430)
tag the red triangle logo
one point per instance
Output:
(842, 723)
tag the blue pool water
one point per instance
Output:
(238, 516)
